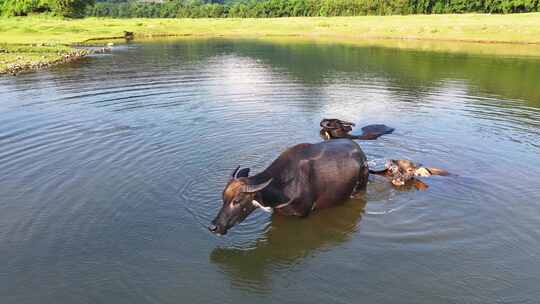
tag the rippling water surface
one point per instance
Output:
(112, 167)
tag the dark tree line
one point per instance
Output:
(65, 8)
(261, 8)
(297, 8)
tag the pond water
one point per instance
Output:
(112, 167)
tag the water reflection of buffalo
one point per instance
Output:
(287, 241)
(305, 177)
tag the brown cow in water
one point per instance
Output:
(305, 177)
(403, 172)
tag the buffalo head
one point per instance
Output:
(238, 201)
(335, 128)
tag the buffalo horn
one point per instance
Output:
(233, 175)
(256, 188)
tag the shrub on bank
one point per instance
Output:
(70, 8)
(23, 7)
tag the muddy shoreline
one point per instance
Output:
(77, 54)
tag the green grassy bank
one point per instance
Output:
(35, 39)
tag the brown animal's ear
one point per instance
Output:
(420, 185)
(243, 173)
(256, 188)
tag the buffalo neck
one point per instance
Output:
(272, 195)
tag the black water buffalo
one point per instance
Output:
(332, 128)
(305, 177)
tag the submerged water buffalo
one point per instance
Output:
(305, 177)
(332, 128)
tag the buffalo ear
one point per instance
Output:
(243, 173)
